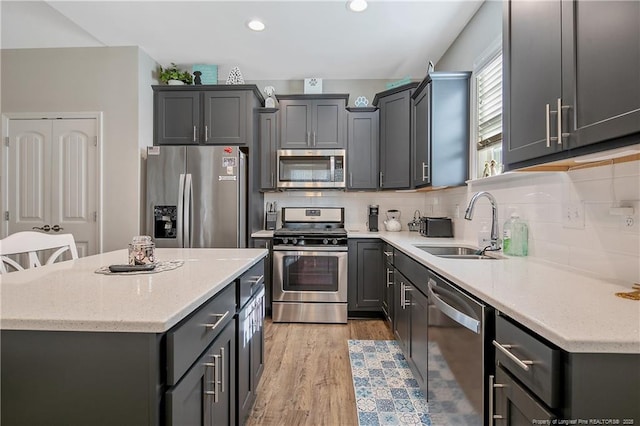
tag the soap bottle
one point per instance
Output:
(507, 234)
(519, 236)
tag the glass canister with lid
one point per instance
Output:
(142, 250)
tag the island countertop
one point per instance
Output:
(70, 296)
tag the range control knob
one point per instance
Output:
(325, 241)
(285, 240)
(335, 241)
(294, 241)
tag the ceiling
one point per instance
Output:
(390, 40)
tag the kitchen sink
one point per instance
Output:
(459, 252)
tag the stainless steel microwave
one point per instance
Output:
(311, 168)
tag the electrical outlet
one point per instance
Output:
(573, 215)
(629, 223)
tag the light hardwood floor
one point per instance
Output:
(307, 375)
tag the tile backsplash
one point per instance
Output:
(569, 213)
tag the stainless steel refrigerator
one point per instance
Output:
(196, 196)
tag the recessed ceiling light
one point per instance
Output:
(255, 25)
(357, 5)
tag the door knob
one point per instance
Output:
(56, 228)
(45, 228)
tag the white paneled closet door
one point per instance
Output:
(53, 175)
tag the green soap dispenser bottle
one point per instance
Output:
(507, 235)
(519, 236)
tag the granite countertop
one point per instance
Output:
(574, 310)
(70, 296)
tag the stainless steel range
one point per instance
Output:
(310, 266)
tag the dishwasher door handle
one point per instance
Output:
(461, 318)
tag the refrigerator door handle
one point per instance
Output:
(180, 224)
(188, 213)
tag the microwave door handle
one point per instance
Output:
(180, 224)
(332, 165)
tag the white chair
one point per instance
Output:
(29, 242)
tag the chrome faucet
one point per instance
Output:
(495, 241)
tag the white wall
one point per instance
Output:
(481, 31)
(89, 79)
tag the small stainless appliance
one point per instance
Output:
(311, 168)
(310, 266)
(436, 227)
(373, 218)
(271, 217)
(460, 329)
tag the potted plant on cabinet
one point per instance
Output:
(174, 76)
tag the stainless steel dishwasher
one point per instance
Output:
(460, 359)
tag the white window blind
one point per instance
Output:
(489, 98)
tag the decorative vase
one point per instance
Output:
(175, 83)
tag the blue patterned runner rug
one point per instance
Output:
(386, 391)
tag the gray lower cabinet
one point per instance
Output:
(268, 145)
(363, 150)
(388, 285)
(250, 340)
(401, 315)
(536, 380)
(395, 136)
(205, 114)
(206, 393)
(313, 121)
(365, 272)
(411, 314)
(440, 130)
(586, 97)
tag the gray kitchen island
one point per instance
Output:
(79, 347)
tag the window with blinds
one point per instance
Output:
(488, 82)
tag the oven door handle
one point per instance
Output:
(459, 317)
(308, 249)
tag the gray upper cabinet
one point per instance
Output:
(268, 137)
(362, 155)
(176, 117)
(395, 136)
(205, 114)
(440, 130)
(313, 121)
(586, 90)
(225, 117)
(603, 65)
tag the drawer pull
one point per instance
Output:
(389, 279)
(257, 280)
(505, 350)
(220, 318)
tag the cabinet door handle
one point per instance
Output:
(314, 138)
(206, 133)
(560, 133)
(220, 318)
(273, 180)
(350, 179)
(380, 177)
(308, 138)
(424, 176)
(524, 364)
(195, 134)
(222, 368)
(548, 114)
(215, 377)
(388, 253)
(492, 387)
(389, 273)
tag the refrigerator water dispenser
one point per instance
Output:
(165, 219)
